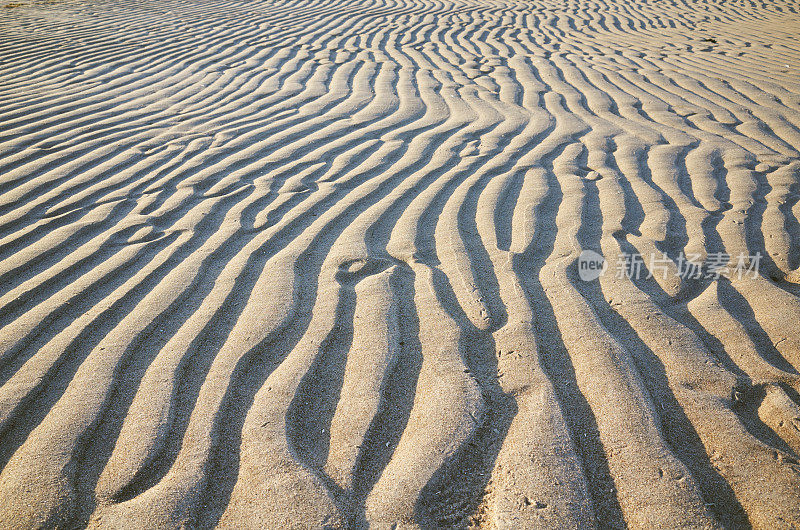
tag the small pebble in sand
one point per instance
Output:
(763, 167)
(593, 175)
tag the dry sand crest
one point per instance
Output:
(274, 263)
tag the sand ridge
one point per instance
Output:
(311, 264)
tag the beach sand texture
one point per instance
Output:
(314, 264)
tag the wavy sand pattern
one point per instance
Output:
(313, 263)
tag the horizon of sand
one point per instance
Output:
(310, 264)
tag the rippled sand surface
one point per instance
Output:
(276, 263)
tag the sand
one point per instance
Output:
(317, 264)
